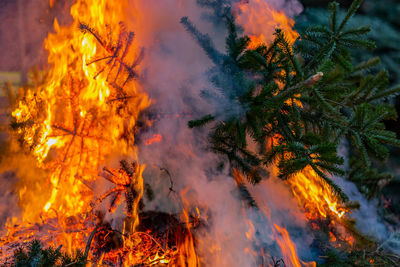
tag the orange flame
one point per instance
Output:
(72, 124)
(74, 113)
(260, 20)
(315, 195)
(288, 248)
(82, 113)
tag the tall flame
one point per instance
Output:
(288, 248)
(76, 112)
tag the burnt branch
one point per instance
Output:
(116, 55)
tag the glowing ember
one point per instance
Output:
(156, 138)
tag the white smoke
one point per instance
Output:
(174, 73)
(367, 219)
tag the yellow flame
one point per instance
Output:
(71, 123)
(315, 195)
(260, 20)
(288, 248)
(70, 113)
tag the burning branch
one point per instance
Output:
(127, 181)
(116, 58)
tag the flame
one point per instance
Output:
(73, 113)
(315, 195)
(260, 20)
(288, 248)
(82, 113)
(280, 235)
(75, 120)
(188, 256)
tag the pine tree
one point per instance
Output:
(34, 255)
(385, 25)
(302, 102)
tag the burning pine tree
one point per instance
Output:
(283, 106)
(292, 106)
(84, 110)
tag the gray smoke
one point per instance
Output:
(174, 72)
(25, 24)
(368, 221)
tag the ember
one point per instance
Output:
(156, 138)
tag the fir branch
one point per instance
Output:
(204, 40)
(201, 122)
(355, 5)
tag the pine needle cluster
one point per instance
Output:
(297, 103)
(34, 255)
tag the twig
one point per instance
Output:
(171, 187)
(89, 242)
(307, 83)
(138, 233)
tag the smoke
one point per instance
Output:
(291, 8)
(25, 24)
(261, 17)
(367, 218)
(174, 72)
(175, 68)
(7, 196)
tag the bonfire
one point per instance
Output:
(110, 172)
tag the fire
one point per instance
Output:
(188, 256)
(84, 110)
(260, 20)
(315, 195)
(288, 248)
(280, 234)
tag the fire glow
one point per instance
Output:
(75, 119)
(156, 138)
(86, 112)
